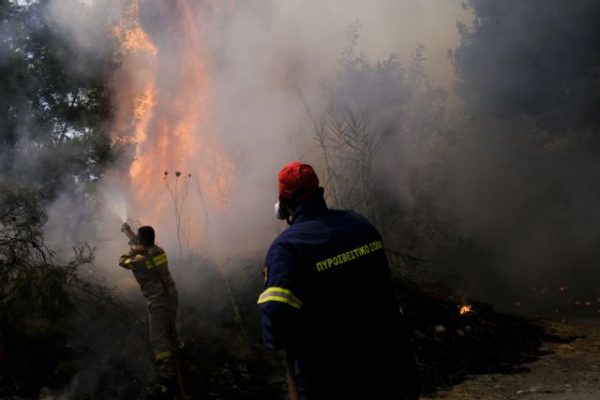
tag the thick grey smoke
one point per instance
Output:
(271, 60)
(500, 192)
(525, 207)
(537, 58)
(273, 69)
(501, 187)
(525, 167)
(265, 71)
(265, 67)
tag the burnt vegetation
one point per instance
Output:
(386, 141)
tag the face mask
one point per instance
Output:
(279, 211)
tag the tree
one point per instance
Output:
(33, 295)
(535, 58)
(525, 164)
(377, 136)
(55, 108)
(54, 116)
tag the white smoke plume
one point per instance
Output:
(265, 61)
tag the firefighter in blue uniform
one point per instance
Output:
(329, 302)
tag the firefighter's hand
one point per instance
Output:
(137, 248)
(125, 227)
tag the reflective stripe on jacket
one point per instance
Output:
(151, 270)
(329, 301)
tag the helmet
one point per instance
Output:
(297, 181)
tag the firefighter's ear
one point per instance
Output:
(280, 211)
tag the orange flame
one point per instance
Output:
(465, 309)
(136, 89)
(164, 113)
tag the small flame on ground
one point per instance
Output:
(465, 309)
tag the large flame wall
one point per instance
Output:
(179, 172)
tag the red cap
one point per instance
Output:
(297, 180)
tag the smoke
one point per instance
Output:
(524, 208)
(225, 95)
(496, 183)
(532, 58)
(85, 23)
(501, 185)
(525, 167)
(270, 60)
(54, 105)
(262, 68)
(518, 187)
(509, 179)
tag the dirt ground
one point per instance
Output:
(570, 368)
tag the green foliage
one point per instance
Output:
(55, 109)
(50, 314)
(29, 279)
(21, 220)
(34, 299)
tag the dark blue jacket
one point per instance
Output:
(329, 301)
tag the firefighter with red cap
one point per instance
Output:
(149, 265)
(329, 301)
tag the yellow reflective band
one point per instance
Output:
(281, 295)
(161, 259)
(158, 260)
(348, 256)
(164, 354)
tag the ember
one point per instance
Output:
(465, 309)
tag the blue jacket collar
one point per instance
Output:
(310, 207)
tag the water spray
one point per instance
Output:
(117, 204)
